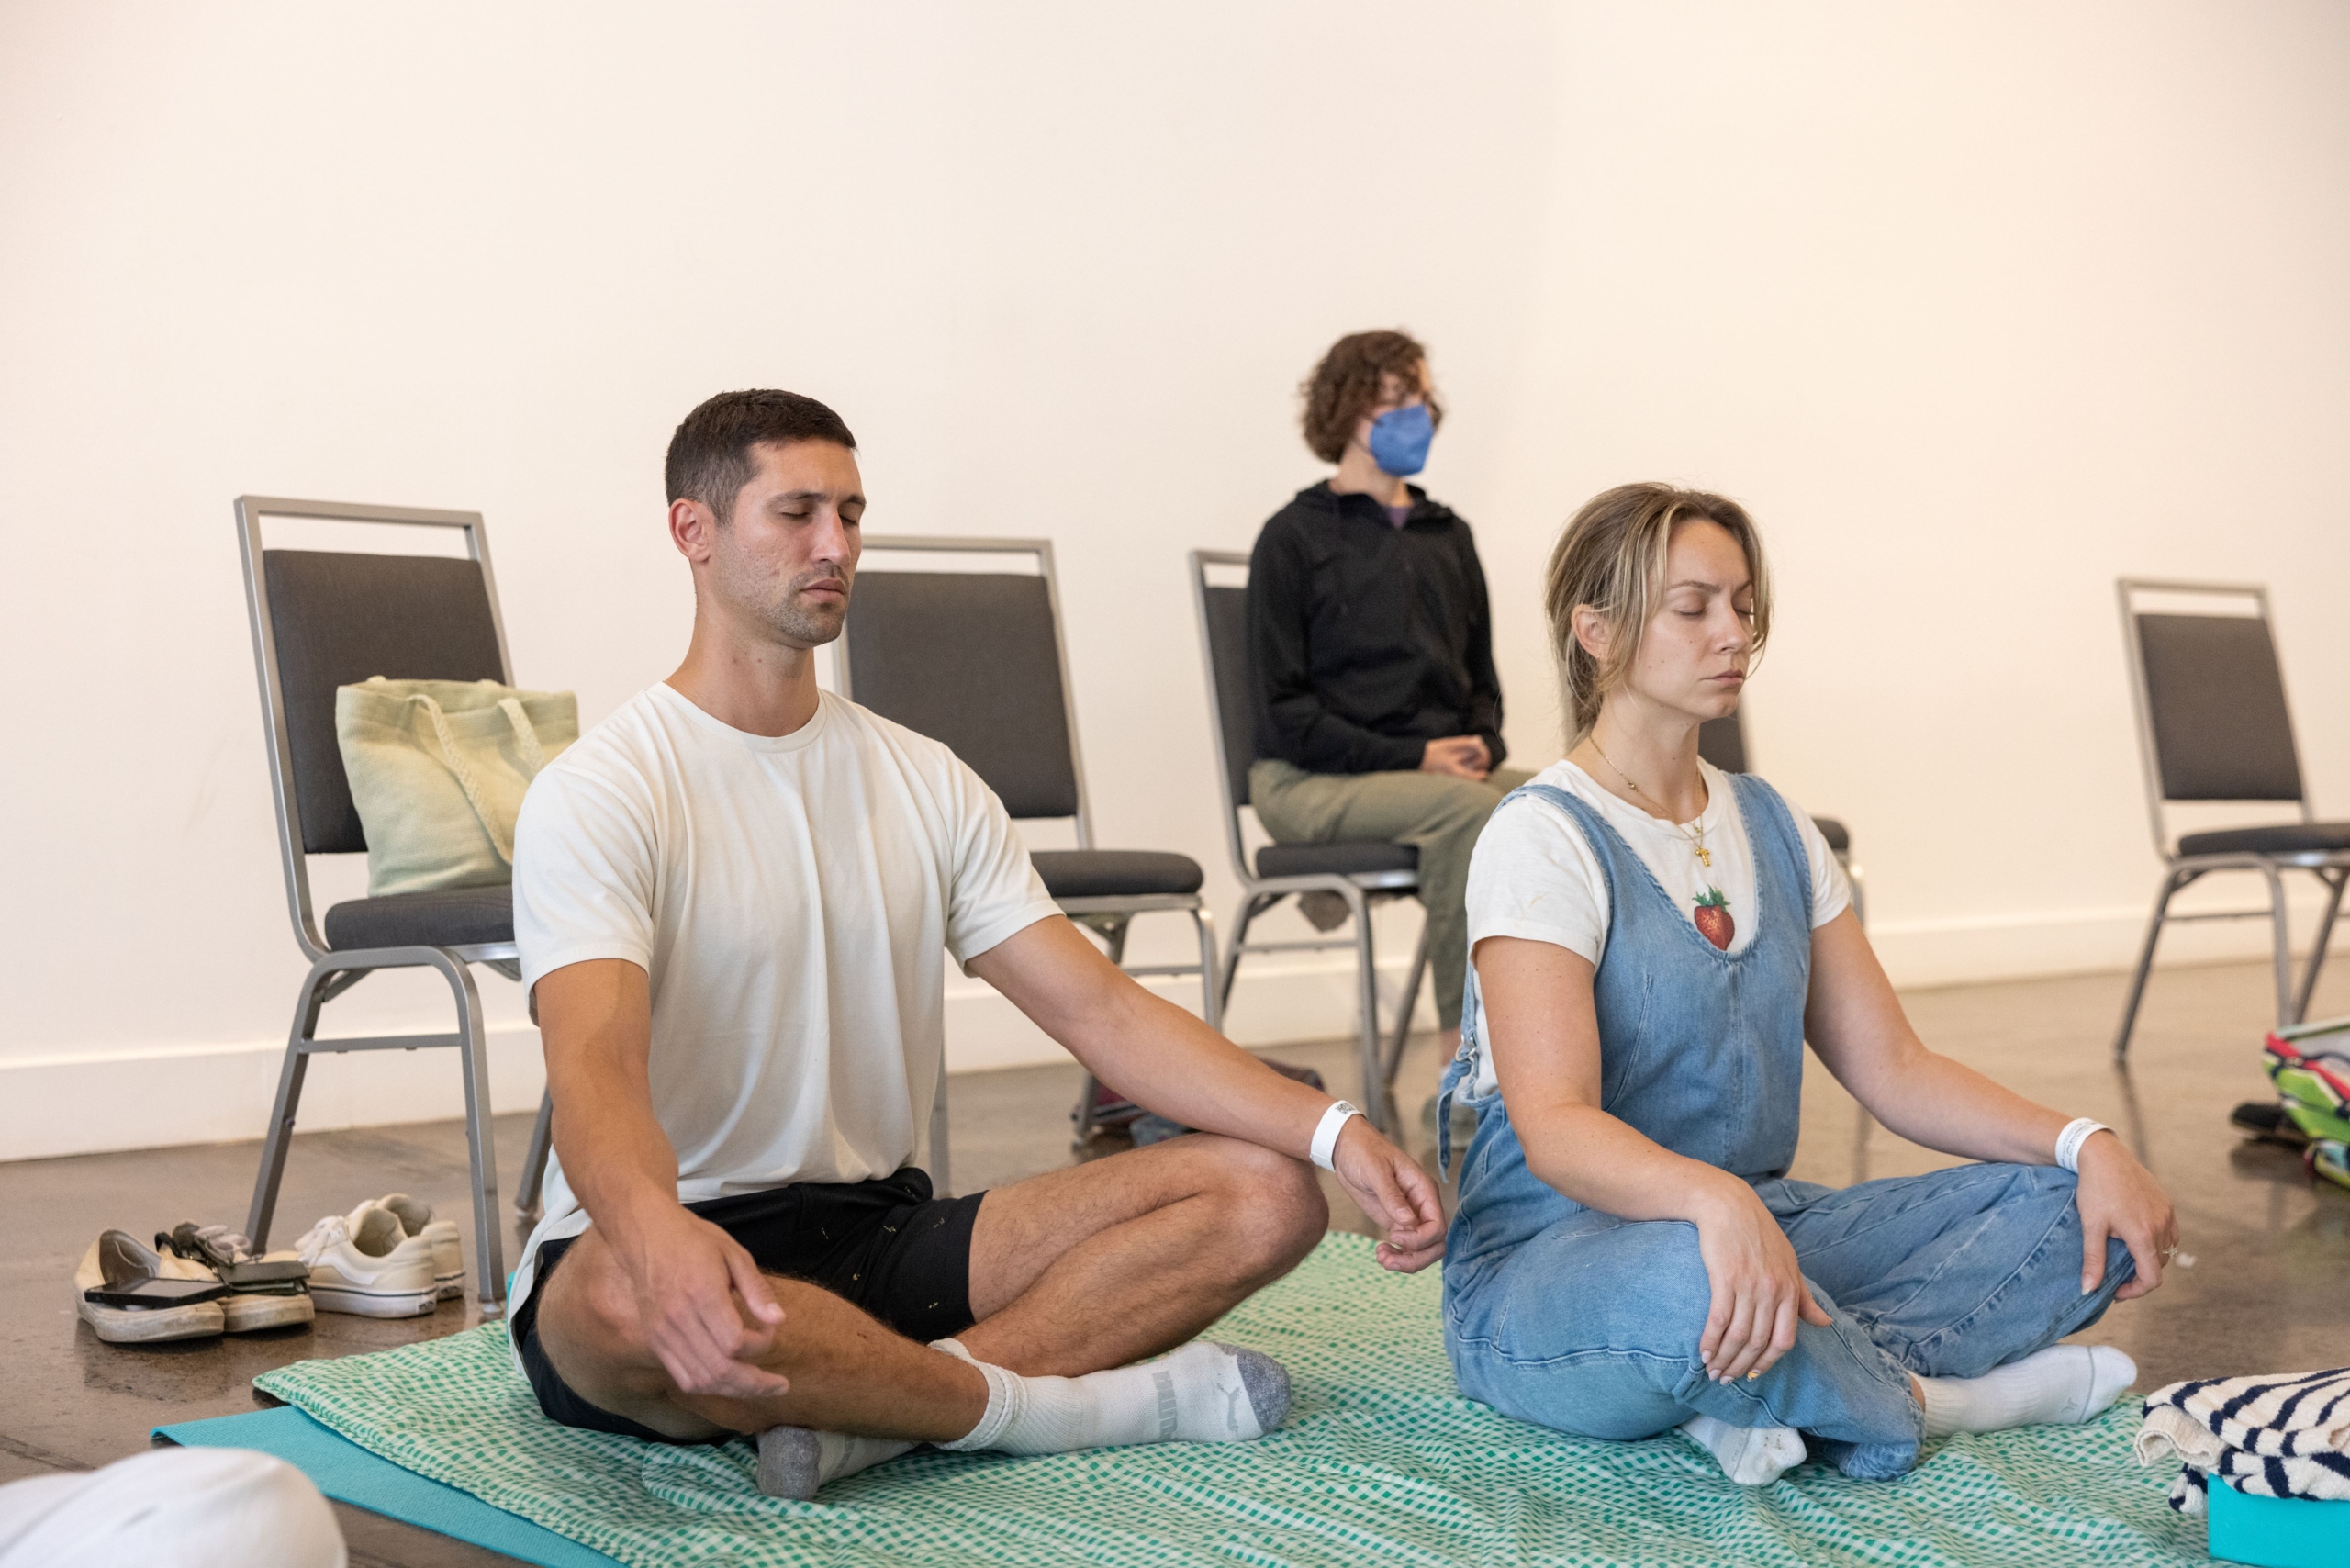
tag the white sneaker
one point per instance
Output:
(363, 1263)
(448, 1254)
(117, 1258)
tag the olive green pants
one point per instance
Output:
(1435, 814)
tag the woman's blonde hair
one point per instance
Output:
(1611, 558)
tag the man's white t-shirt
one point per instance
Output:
(788, 897)
(1534, 876)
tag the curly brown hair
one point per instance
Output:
(1345, 386)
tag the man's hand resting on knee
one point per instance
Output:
(1390, 1186)
(700, 1302)
(1166, 1061)
(704, 1307)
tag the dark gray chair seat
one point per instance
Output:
(451, 917)
(1116, 873)
(1348, 858)
(1839, 837)
(2284, 838)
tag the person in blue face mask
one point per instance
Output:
(1377, 713)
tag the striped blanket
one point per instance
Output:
(2272, 1436)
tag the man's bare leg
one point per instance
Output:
(1071, 1273)
(1107, 1263)
(848, 1373)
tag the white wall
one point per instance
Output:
(1977, 306)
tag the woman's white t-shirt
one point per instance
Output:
(1534, 876)
(787, 898)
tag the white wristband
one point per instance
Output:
(1325, 1133)
(2068, 1143)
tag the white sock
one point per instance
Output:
(1752, 1456)
(1202, 1392)
(795, 1461)
(2064, 1384)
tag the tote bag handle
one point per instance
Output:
(526, 741)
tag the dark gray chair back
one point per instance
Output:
(1722, 741)
(1226, 611)
(337, 619)
(2215, 709)
(973, 660)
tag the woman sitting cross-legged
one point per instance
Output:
(1651, 942)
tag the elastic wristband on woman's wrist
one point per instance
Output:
(2077, 1131)
(1326, 1132)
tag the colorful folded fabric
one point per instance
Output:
(2273, 1436)
(2312, 1082)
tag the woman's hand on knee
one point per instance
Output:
(1758, 1294)
(2117, 1197)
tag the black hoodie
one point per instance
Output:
(1366, 640)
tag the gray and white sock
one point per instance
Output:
(1202, 1392)
(795, 1462)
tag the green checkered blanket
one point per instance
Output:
(1381, 1460)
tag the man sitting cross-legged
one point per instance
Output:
(731, 898)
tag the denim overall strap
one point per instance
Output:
(1700, 1051)
(1463, 1067)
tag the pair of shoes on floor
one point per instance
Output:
(387, 1258)
(134, 1294)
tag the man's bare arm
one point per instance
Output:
(1161, 1056)
(596, 1021)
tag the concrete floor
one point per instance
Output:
(2269, 1291)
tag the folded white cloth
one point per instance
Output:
(2272, 1436)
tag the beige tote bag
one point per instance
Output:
(438, 769)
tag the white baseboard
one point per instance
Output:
(1964, 951)
(215, 1094)
(66, 1103)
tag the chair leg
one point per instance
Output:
(1367, 985)
(473, 1049)
(2281, 919)
(1113, 933)
(275, 1143)
(1249, 910)
(530, 1201)
(2171, 884)
(1403, 1016)
(1211, 996)
(2324, 934)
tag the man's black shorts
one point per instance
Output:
(885, 1246)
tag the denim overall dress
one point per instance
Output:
(1565, 1315)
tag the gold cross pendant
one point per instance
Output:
(1704, 857)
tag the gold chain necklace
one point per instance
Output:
(1696, 839)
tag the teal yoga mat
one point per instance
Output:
(344, 1471)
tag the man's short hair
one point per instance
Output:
(1345, 386)
(710, 458)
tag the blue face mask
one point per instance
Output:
(1400, 438)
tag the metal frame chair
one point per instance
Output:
(1102, 890)
(1722, 741)
(308, 824)
(2216, 677)
(1361, 873)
